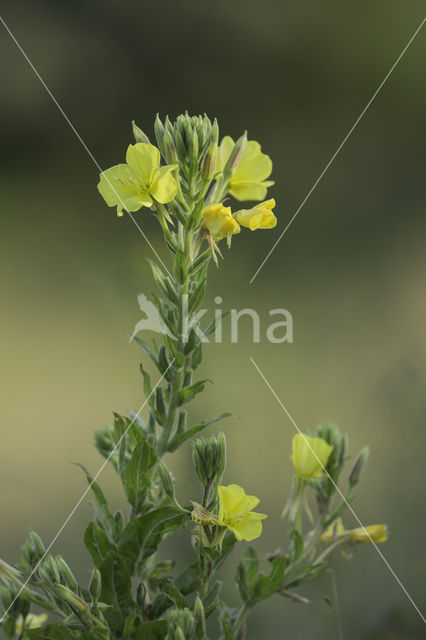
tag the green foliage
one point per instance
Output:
(134, 594)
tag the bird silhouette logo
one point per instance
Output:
(152, 322)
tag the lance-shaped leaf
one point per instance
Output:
(136, 478)
(188, 393)
(105, 515)
(180, 438)
(116, 590)
(144, 533)
(97, 543)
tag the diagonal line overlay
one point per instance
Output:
(84, 494)
(339, 492)
(80, 139)
(339, 148)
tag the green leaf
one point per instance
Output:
(168, 587)
(136, 478)
(146, 348)
(116, 589)
(197, 356)
(97, 543)
(107, 518)
(188, 393)
(217, 320)
(275, 579)
(55, 631)
(303, 573)
(251, 563)
(296, 547)
(188, 581)
(143, 534)
(155, 630)
(180, 438)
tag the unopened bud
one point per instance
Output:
(95, 584)
(71, 597)
(235, 156)
(169, 148)
(159, 133)
(209, 455)
(209, 163)
(66, 573)
(140, 136)
(38, 546)
(214, 136)
(359, 466)
(194, 148)
(166, 480)
(200, 620)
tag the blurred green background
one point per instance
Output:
(351, 269)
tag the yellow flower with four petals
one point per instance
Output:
(249, 181)
(236, 512)
(140, 181)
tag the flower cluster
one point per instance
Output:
(239, 169)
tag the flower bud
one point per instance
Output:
(209, 456)
(208, 166)
(235, 156)
(95, 584)
(180, 624)
(359, 466)
(38, 546)
(373, 533)
(72, 598)
(214, 135)
(200, 620)
(159, 133)
(166, 481)
(66, 573)
(170, 149)
(140, 136)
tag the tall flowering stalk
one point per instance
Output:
(184, 181)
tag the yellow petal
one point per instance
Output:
(244, 190)
(250, 527)
(219, 221)
(310, 455)
(333, 531)
(224, 151)
(144, 159)
(372, 533)
(118, 187)
(164, 185)
(254, 166)
(258, 217)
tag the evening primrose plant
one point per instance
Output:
(188, 179)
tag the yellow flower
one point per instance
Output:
(219, 221)
(135, 184)
(249, 180)
(258, 217)
(32, 621)
(235, 512)
(372, 533)
(310, 456)
(333, 531)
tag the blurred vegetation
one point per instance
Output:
(350, 269)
